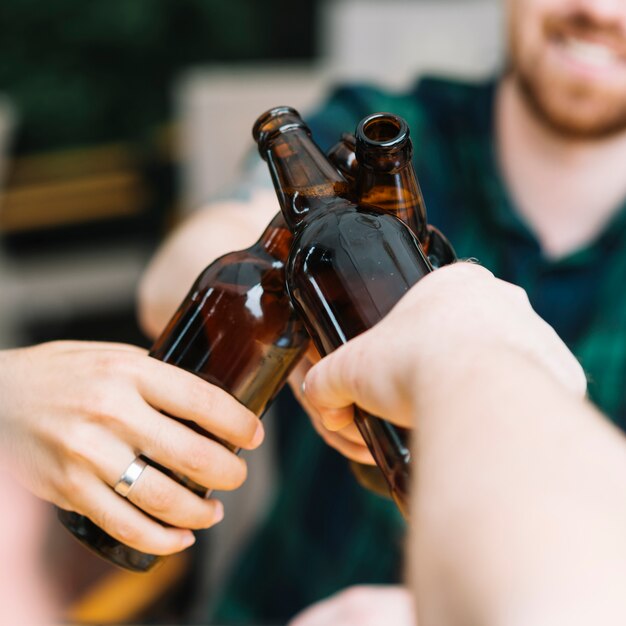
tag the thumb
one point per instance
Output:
(357, 374)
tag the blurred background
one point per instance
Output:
(116, 120)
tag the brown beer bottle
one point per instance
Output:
(377, 162)
(349, 263)
(389, 182)
(343, 156)
(236, 329)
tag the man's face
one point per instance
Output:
(569, 58)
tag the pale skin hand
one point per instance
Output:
(453, 316)
(374, 605)
(517, 502)
(74, 415)
(518, 512)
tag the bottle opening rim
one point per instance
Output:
(383, 130)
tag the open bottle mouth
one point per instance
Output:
(383, 130)
(383, 142)
(275, 122)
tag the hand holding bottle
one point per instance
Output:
(347, 440)
(445, 323)
(74, 415)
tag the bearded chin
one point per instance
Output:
(569, 114)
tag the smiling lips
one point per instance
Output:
(595, 45)
(591, 53)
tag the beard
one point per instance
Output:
(576, 111)
(571, 106)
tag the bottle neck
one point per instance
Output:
(276, 238)
(397, 192)
(305, 180)
(386, 177)
(343, 156)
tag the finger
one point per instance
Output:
(127, 523)
(83, 346)
(180, 449)
(338, 420)
(163, 498)
(186, 396)
(358, 374)
(354, 451)
(326, 386)
(351, 433)
(352, 446)
(296, 378)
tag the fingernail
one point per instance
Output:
(258, 436)
(189, 540)
(219, 511)
(303, 387)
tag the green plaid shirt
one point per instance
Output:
(324, 532)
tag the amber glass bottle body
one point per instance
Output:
(349, 264)
(236, 329)
(377, 162)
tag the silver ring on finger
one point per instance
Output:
(130, 476)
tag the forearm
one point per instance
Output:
(519, 502)
(215, 230)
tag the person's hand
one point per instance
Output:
(373, 605)
(74, 415)
(446, 322)
(346, 440)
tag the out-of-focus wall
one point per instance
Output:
(389, 43)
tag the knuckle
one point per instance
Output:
(71, 483)
(354, 374)
(248, 428)
(125, 531)
(78, 446)
(205, 517)
(106, 361)
(204, 398)
(162, 498)
(97, 406)
(196, 455)
(130, 365)
(236, 475)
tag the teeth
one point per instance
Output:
(594, 54)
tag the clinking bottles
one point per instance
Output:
(349, 263)
(236, 329)
(378, 165)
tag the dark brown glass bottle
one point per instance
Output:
(378, 162)
(236, 329)
(343, 156)
(349, 263)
